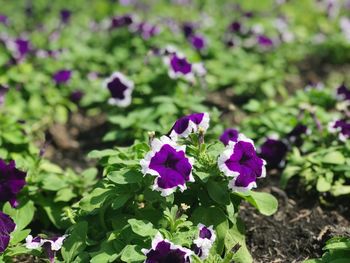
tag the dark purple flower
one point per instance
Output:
(188, 29)
(189, 124)
(12, 181)
(264, 41)
(121, 21)
(76, 96)
(240, 161)
(164, 251)
(235, 27)
(6, 227)
(145, 29)
(62, 76)
(51, 245)
(295, 135)
(343, 92)
(179, 66)
(205, 240)
(3, 19)
(198, 42)
(229, 135)
(120, 88)
(273, 151)
(65, 15)
(168, 162)
(342, 127)
(19, 47)
(3, 90)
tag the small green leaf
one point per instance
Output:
(334, 158)
(218, 192)
(125, 176)
(142, 227)
(266, 203)
(131, 254)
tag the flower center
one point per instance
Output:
(170, 162)
(244, 159)
(172, 257)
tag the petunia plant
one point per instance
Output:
(172, 198)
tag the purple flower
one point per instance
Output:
(273, 151)
(295, 135)
(12, 181)
(229, 135)
(6, 227)
(51, 245)
(65, 15)
(121, 21)
(179, 66)
(62, 76)
(188, 29)
(189, 124)
(198, 42)
(3, 19)
(264, 41)
(165, 251)
(343, 92)
(145, 29)
(235, 27)
(120, 88)
(240, 161)
(205, 240)
(169, 163)
(3, 90)
(342, 127)
(19, 47)
(76, 96)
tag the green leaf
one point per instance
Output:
(131, 254)
(120, 200)
(95, 199)
(21, 215)
(142, 228)
(125, 176)
(266, 203)
(75, 243)
(334, 158)
(218, 192)
(95, 154)
(322, 184)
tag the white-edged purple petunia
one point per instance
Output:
(342, 127)
(165, 251)
(6, 227)
(169, 163)
(189, 124)
(120, 88)
(229, 135)
(51, 245)
(240, 161)
(205, 240)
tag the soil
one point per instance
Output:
(298, 230)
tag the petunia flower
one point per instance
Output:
(295, 135)
(264, 41)
(342, 127)
(19, 47)
(205, 240)
(3, 90)
(51, 245)
(121, 21)
(120, 88)
(188, 29)
(343, 92)
(165, 251)
(65, 15)
(189, 124)
(240, 161)
(76, 96)
(12, 181)
(145, 29)
(3, 19)
(273, 151)
(6, 227)
(169, 163)
(62, 76)
(179, 66)
(229, 135)
(198, 42)
(235, 27)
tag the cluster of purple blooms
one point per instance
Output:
(163, 250)
(51, 245)
(12, 181)
(197, 41)
(167, 160)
